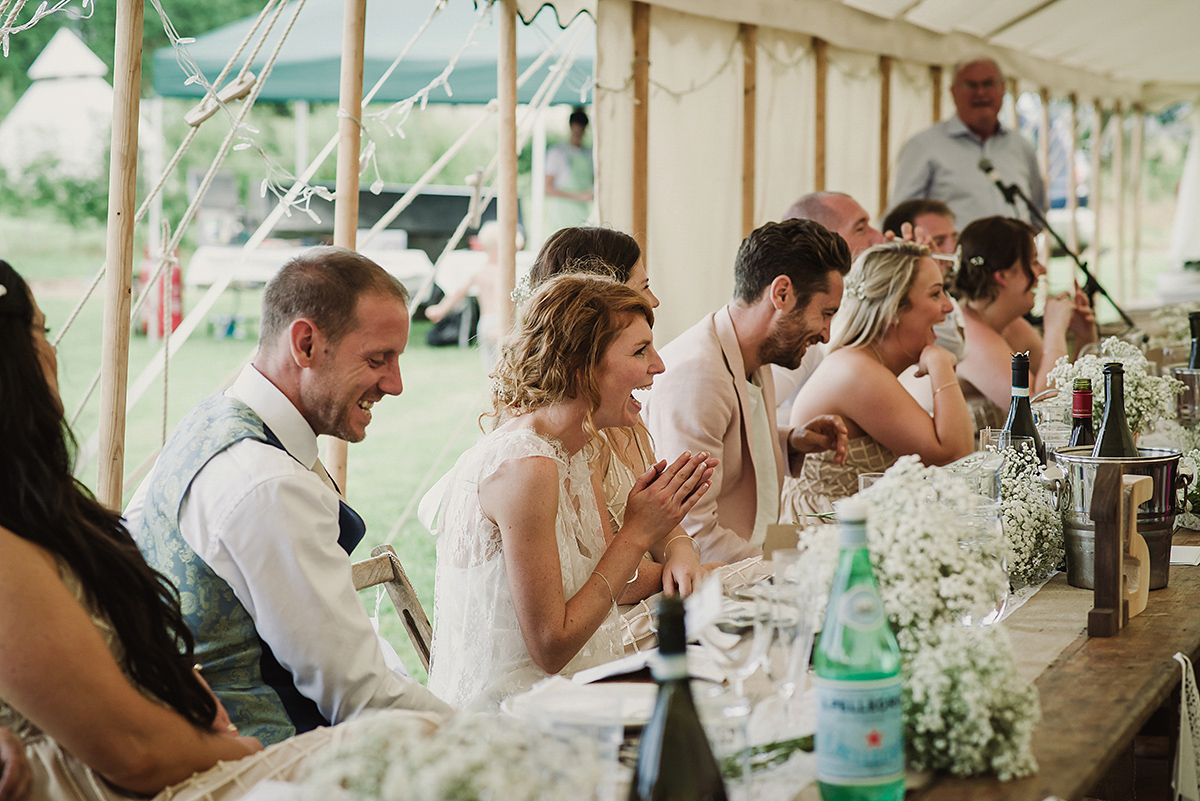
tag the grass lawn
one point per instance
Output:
(413, 439)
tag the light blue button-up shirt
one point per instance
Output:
(942, 162)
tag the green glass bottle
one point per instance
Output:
(675, 760)
(860, 725)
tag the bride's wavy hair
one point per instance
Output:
(568, 325)
(43, 503)
(876, 291)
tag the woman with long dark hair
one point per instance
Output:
(96, 671)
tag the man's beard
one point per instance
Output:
(785, 345)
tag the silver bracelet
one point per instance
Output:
(695, 544)
(600, 575)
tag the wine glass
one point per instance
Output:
(730, 639)
(783, 616)
(983, 533)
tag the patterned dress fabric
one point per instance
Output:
(823, 481)
(479, 657)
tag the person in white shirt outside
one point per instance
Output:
(570, 178)
(240, 514)
(946, 161)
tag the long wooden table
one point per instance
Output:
(1096, 696)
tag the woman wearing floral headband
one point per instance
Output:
(619, 455)
(893, 297)
(997, 284)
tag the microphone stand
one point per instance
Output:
(1091, 286)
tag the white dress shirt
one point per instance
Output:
(268, 525)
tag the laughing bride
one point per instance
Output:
(525, 583)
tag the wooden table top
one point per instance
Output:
(1097, 695)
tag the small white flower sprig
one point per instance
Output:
(966, 709)
(470, 757)
(1148, 398)
(1033, 529)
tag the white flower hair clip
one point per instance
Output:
(976, 261)
(856, 289)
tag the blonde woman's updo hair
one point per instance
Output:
(566, 327)
(876, 291)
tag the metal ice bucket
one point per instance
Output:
(1155, 520)
(1189, 399)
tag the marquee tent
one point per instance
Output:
(308, 64)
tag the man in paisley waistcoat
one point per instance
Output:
(241, 515)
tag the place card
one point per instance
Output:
(1185, 554)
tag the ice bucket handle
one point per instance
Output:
(1182, 481)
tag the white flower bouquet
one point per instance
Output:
(1148, 398)
(966, 709)
(1033, 529)
(393, 757)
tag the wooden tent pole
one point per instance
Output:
(885, 129)
(506, 151)
(1014, 91)
(641, 122)
(821, 53)
(345, 206)
(749, 38)
(935, 78)
(1072, 176)
(1043, 157)
(1137, 146)
(1094, 198)
(122, 198)
(1118, 167)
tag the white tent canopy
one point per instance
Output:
(837, 87)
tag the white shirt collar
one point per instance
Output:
(281, 416)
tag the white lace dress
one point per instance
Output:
(479, 657)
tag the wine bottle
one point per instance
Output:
(1083, 430)
(675, 761)
(1115, 439)
(860, 727)
(1020, 415)
(1194, 324)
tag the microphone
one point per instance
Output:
(989, 169)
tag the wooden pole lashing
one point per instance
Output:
(641, 121)
(821, 53)
(345, 206)
(748, 34)
(118, 287)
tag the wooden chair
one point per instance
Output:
(384, 568)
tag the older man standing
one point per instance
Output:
(240, 514)
(947, 161)
(717, 394)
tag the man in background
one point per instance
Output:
(947, 161)
(570, 176)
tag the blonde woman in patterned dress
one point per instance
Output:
(894, 296)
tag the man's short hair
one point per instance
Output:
(814, 206)
(578, 117)
(803, 250)
(323, 284)
(909, 210)
(978, 58)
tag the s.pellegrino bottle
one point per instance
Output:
(1083, 430)
(1115, 439)
(860, 726)
(1020, 415)
(675, 760)
(1194, 356)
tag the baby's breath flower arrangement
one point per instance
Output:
(1148, 398)
(393, 757)
(1033, 529)
(966, 709)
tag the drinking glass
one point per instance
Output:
(783, 617)
(725, 717)
(867, 479)
(983, 533)
(730, 639)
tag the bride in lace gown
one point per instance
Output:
(525, 582)
(893, 297)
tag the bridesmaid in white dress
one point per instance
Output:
(526, 586)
